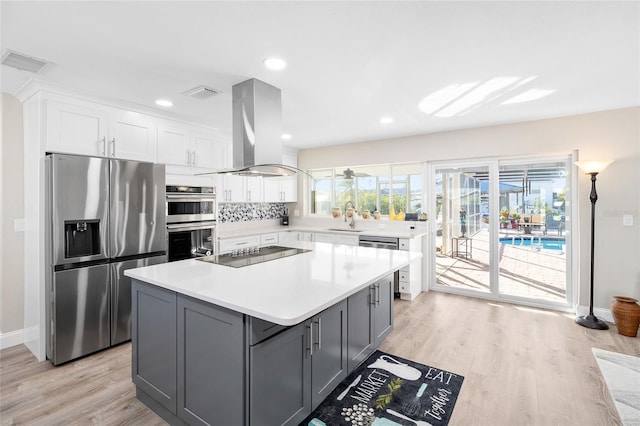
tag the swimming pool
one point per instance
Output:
(547, 243)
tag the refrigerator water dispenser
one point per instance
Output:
(82, 238)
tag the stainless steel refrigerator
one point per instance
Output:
(104, 216)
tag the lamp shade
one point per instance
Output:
(593, 166)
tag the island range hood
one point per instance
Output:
(257, 130)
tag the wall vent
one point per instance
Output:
(202, 92)
(23, 62)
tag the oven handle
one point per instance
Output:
(195, 198)
(190, 226)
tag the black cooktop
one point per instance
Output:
(264, 254)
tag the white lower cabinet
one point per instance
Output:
(269, 239)
(286, 236)
(350, 240)
(228, 245)
(410, 277)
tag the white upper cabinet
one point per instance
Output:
(289, 189)
(254, 189)
(186, 145)
(233, 189)
(132, 136)
(173, 144)
(78, 127)
(210, 150)
(281, 190)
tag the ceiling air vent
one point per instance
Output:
(23, 62)
(202, 92)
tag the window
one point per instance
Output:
(370, 188)
(321, 191)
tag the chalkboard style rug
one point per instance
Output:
(387, 390)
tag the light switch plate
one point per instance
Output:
(18, 225)
(627, 220)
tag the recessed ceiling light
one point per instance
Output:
(164, 102)
(386, 120)
(286, 136)
(275, 63)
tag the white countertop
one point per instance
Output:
(376, 232)
(286, 291)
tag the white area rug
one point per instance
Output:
(622, 375)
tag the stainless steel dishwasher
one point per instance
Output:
(389, 243)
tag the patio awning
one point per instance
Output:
(504, 187)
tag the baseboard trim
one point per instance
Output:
(11, 338)
(603, 314)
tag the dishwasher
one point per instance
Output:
(389, 243)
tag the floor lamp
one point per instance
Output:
(592, 168)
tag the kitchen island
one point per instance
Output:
(262, 344)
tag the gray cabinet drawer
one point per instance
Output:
(260, 330)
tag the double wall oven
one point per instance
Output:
(191, 221)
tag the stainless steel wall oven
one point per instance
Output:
(191, 221)
(190, 203)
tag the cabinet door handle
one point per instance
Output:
(372, 294)
(378, 294)
(104, 144)
(194, 160)
(113, 145)
(249, 195)
(319, 322)
(310, 347)
(188, 156)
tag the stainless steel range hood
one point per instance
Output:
(257, 130)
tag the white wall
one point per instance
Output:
(611, 134)
(11, 209)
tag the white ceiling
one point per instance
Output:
(349, 63)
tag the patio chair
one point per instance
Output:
(553, 223)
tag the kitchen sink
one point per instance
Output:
(345, 230)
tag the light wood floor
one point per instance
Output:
(522, 366)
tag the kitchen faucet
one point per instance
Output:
(352, 224)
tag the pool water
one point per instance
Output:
(541, 242)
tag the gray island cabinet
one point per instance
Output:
(260, 345)
(198, 363)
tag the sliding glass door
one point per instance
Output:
(500, 230)
(462, 239)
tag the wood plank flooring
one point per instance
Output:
(522, 366)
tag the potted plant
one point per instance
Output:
(504, 217)
(515, 218)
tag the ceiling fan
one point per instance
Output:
(350, 174)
